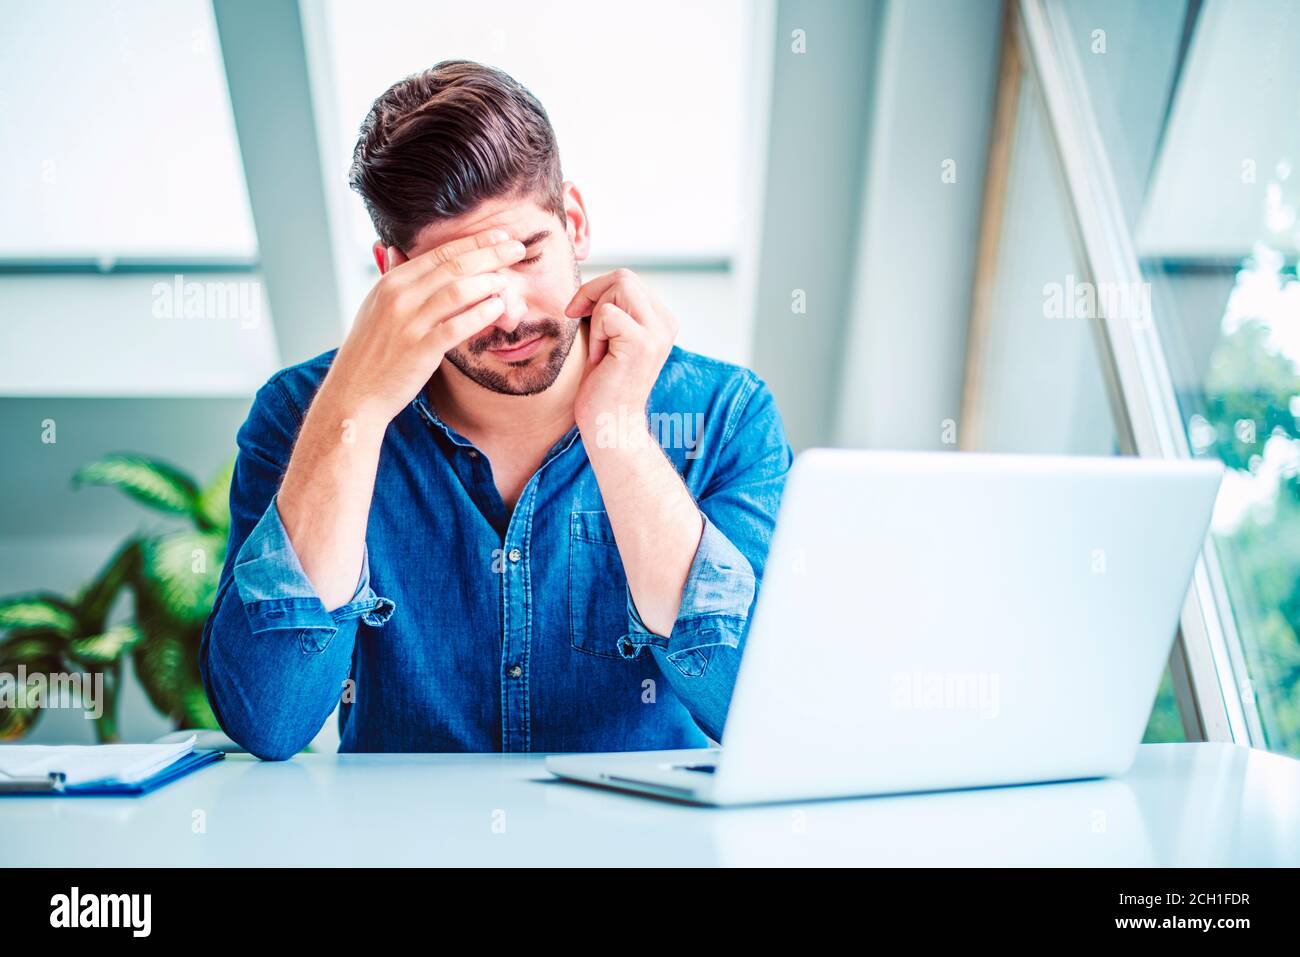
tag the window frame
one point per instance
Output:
(1207, 662)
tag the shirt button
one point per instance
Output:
(515, 671)
(514, 555)
(473, 453)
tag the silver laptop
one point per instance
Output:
(943, 620)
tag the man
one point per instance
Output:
(507, 514)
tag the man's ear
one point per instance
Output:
(576, 223)
(386, 257)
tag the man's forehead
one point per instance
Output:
(518, 217)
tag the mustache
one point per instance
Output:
(500, 339)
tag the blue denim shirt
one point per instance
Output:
(478, 628)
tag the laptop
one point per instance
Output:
(937, 620)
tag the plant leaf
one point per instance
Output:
(16, 722)
(153, 483)
(213, 508)
(198, 712)
(37, 611)
(32, 648)
(182, 571)
(107, 646)
(161, 664)
(95, 600)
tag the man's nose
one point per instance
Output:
(516, 308)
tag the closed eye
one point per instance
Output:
(529, 242)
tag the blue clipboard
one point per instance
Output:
(177, 769)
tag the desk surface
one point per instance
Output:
(1180, 805)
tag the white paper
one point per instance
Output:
(87, 764)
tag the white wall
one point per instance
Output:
(903, 363)
(129, 334)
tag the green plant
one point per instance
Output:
(172, 578)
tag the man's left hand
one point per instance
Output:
(631, 334)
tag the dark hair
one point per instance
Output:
(438, 143)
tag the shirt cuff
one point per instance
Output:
(715, 606)
(277, 594)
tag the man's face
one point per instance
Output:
(523, 352)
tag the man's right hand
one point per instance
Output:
(418, 310)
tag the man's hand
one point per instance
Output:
(419, 309)
(632, 332)
(656, 523)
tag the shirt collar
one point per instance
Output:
(422, 406)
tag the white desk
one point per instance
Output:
(1195, 804)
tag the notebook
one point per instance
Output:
(97, 769)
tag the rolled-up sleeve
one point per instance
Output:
(273, 659)
(277, 594)
(700, 657)
(716, 598)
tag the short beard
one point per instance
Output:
(530, 381)
(527, 380)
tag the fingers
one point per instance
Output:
(452, 331)
(623, 288)
(460, 294)
(482, 252)
(431, 260)
(475, 261)
(589, 294)
(458, 247)
(608, 322)
(633, 298)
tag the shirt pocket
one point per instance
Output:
(597, 586)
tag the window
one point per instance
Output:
(1174, 122)
(140, 162)
(1210, 186)
(127, 247)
